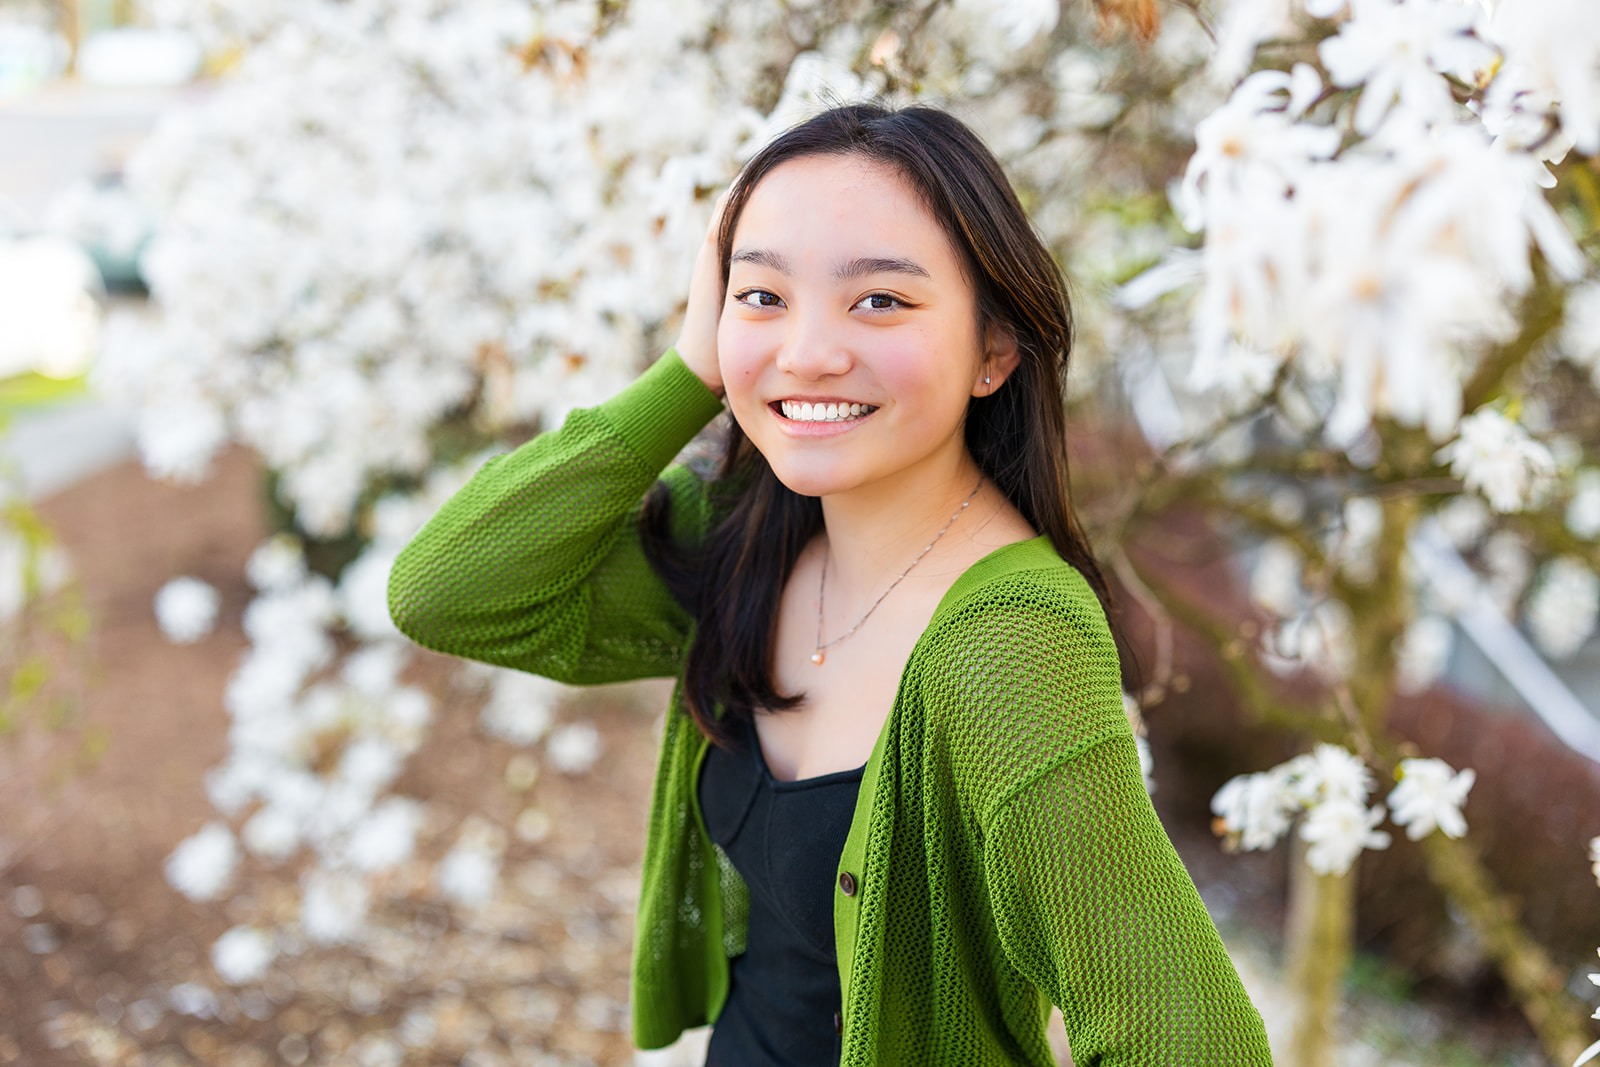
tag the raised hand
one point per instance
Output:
(697, 340)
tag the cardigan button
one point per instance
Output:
(838, 1023)
(847, 883)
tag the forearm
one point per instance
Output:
(504, 571)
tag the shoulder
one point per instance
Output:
(1019, 673)
(1023, 595)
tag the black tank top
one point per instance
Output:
(784, 839)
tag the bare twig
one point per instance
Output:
(1128, 575)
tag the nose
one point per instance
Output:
(814, 348)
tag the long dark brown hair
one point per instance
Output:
(732, 582)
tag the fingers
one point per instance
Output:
(716, 215)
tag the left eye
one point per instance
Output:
(878, 301)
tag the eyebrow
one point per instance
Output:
(762, 257)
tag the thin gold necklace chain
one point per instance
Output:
(822, 584)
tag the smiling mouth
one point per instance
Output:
(801, 411)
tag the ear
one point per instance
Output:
(1000, 358)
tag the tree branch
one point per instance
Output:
(1535, 981)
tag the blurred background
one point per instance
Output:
(275, 277)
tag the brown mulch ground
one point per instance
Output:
(539, 976)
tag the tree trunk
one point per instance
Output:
(72, 31)
(1317, 947)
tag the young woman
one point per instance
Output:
(898, 811)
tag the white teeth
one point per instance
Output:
(801, 411)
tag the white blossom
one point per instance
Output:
(1275, 579)
(1242, 26)
(1337, 830)
(1147, 764)
(1249, 149)
(1509, 566)
(1495, 456)
(387, 836)
(186, 609)
(374, 671)
(573, 748)
(521, 708)
(1422, 653)
(369, 763)
(1357, 541)
(468, 874)
(1020, 20)
(363, 593)
(1318, 638)
(242, 955)
(1580, 332)
(1552, 50)
(192, 998)
(1430, 795)
(1562, 607)
(202, 866)
(1583, 510)
(288, 629)
(406, 713)
(273, 832)
(1398, 49)
(1258, 807)
(1329, 784)
(179, 436)
(1377, 265)
(1331, 772)
(278, 563)
(1464, 519)
(333, 905)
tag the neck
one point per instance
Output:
(874, 531)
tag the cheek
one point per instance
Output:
(740, 356)
(922, 372)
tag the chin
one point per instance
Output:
(815, 479)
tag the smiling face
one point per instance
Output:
(849, 342)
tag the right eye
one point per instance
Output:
(763, 298)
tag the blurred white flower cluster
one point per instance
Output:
(1495, 456)
(186, 609)
(316, 742)
(1328, 788)
(1371, 268)
(397, 211)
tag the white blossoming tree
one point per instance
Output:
(1359, 325)
(1392, 205)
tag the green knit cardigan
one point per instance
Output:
(1004, 854)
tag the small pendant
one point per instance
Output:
(816, 657)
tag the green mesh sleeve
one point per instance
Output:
(1091, 903)
(536, 563)
(1094, 907)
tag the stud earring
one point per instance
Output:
(985, 379)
